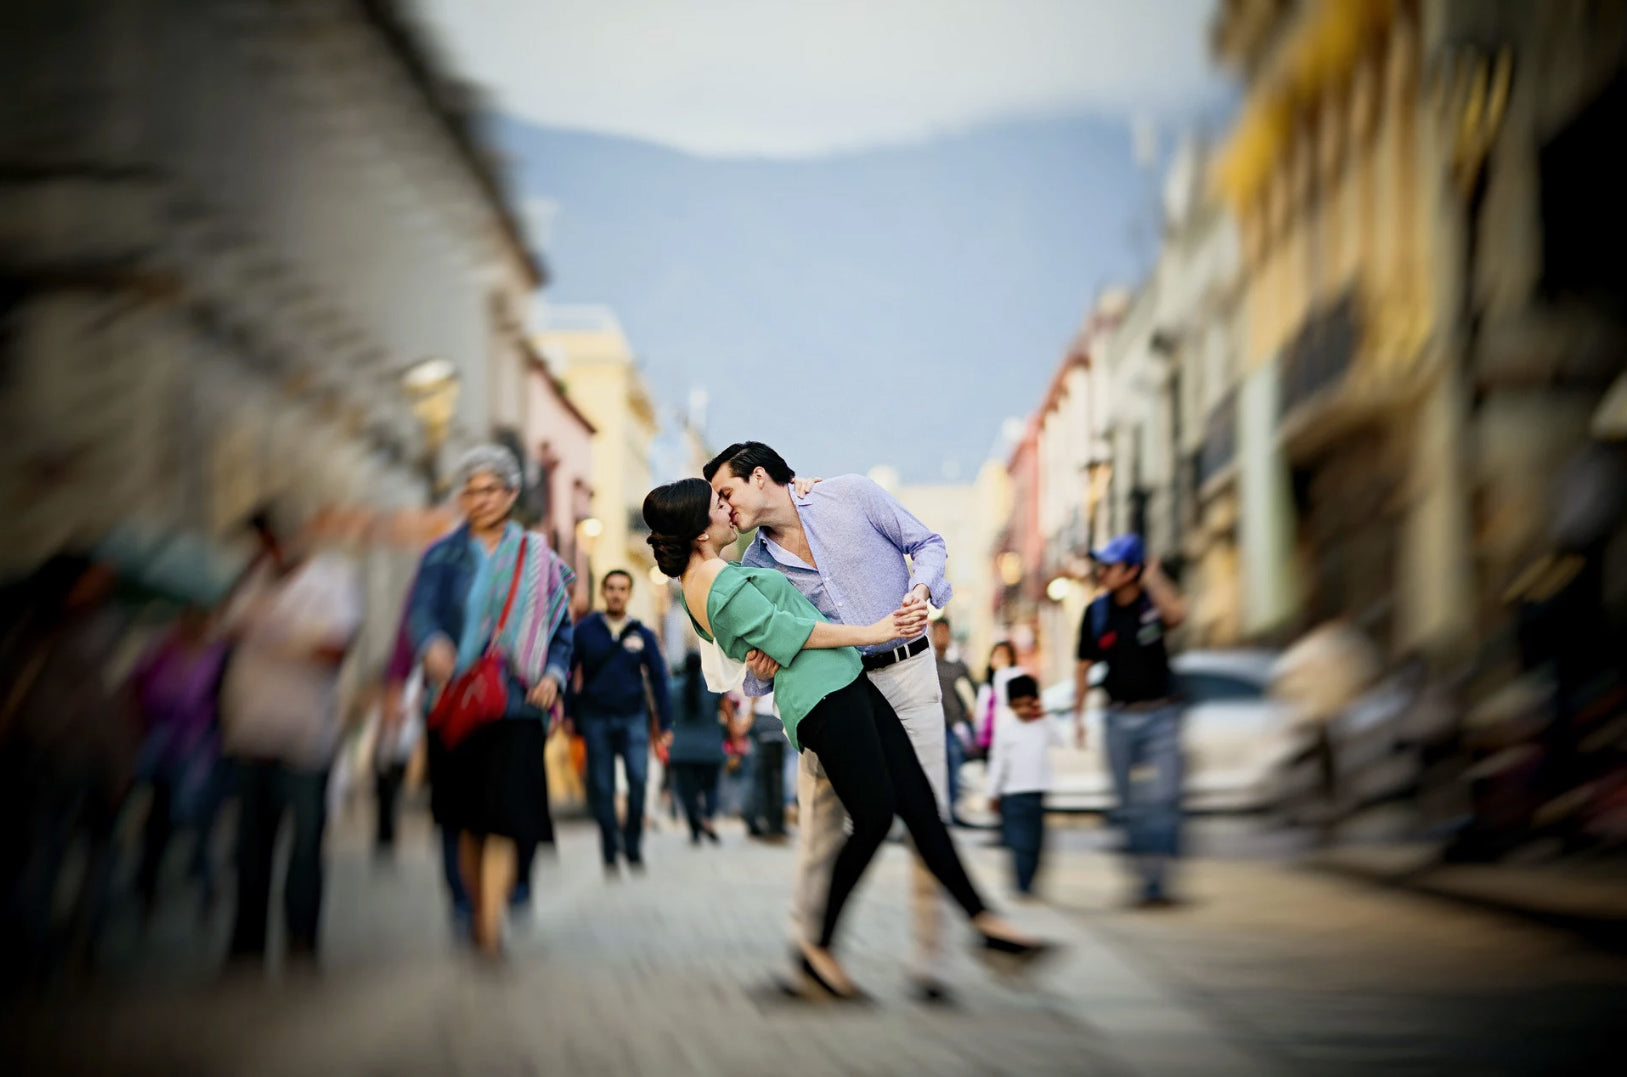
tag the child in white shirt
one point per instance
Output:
(1020, 771)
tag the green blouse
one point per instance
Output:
(759, 607)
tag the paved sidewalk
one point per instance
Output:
(1270, 969)
(669, 973)
(1589, 898)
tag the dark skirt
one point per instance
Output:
(494, 782)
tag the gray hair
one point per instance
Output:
(490, 458)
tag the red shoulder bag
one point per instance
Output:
(479, 694)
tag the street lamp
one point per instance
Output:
(1010, 565)
(590, 528)
(1057, 590)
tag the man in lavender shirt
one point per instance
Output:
(844, 544)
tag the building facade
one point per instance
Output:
(231, 227)
(558, 439)
(1347, 392)
(600, 374)
(1430, 319)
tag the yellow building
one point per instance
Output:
(600, 373)
(1349, 407)
(1431, 221)
(968, 515)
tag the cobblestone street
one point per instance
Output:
(1269, 970)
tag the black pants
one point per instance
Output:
(1022, 822)
(696, 788)
(873, 768)
(387, 782)
(267, 792)
(769, 805)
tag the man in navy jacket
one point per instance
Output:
(608, 702)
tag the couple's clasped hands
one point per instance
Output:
(906, 622)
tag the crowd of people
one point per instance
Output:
(812, 682)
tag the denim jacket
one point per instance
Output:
(436, 605)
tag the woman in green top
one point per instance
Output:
(827, 704)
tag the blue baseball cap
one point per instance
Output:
(1126, 549)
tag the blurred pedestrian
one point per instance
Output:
(293, 619)
(493, 587)
(177, 685)
(1020, 773)
(955, 686)
(67, 760)
(616, 671)
(1001, 656)
(400, 729)
(1125, 627)
(700, 720)
(735, 792)
(765, 811)
(828, 706)
(855, 553)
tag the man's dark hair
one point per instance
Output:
(744, 457)
(1022, 686)
(617, 572)
(942, 621)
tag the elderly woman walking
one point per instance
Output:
(492, 588)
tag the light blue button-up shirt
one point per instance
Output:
(859, 536)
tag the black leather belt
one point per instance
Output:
(1142, 706)
(883, 659)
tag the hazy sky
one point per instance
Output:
(796, 78)
(893, 213)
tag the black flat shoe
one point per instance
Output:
(828, 988)
(933, 993)
(1009, 956)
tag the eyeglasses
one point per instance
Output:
(483, 491)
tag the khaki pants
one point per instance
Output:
(911, 687)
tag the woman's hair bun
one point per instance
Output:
(675, 514)
(671, 554)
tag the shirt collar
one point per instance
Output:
(780, 553)
(627, 621)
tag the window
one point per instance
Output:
(1218, 688)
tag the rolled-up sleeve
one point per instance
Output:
(560, 648)
(747, 619)
(928, 553)
(420, 620)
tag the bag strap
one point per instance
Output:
(1098, 617)
(513, 586)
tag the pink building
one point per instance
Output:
(559, 441)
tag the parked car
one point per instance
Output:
(1372, 752)
(1234, 739)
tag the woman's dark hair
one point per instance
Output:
(675, 514)
(744, 457)
(1011, 653)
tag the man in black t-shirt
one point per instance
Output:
(1125, 627)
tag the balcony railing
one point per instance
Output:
(1219, 447)
(1320, 354)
